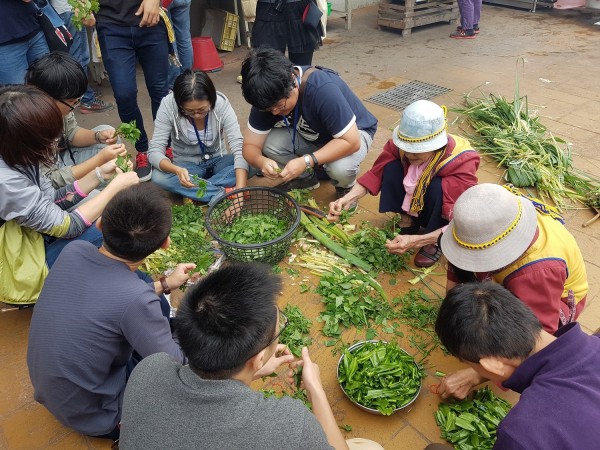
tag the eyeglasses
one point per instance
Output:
(195, 112)
(283, 323)
(277, 107)
(72, 106)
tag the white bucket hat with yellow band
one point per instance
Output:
(491, 229)
(422, 128)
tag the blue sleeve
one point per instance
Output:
(328, 105)
(261, 122)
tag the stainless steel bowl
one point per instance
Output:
(364, 408)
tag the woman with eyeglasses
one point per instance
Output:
(30, 207)
(196, 118)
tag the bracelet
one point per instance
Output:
(165, 285)
(99, 176)
(315, 161)
(97, 137)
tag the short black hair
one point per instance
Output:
(266, 77)
(227, 318)
(136, 221)
(30, 125)
(478, 320)
(194, 85)
(59, 75)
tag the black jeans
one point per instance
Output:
(393, 193)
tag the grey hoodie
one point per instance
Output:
(170, 123)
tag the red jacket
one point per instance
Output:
(458, 170)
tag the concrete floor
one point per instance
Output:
(561, 76)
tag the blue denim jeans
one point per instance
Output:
(218, 172)
(54, 247)
(122, 47)
(16, 58)
(179, 13)
(80, 50)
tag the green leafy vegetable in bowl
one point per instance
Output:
(379, 377)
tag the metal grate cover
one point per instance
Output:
(399, 97)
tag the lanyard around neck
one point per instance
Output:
(295, 118)
(201, 144)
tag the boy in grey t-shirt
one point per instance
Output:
(228, 326)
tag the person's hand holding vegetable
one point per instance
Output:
(110, 152)
(293, 169)
(459, 384)
(281, 356)
(106, 136)
(184, 177)
(346, 202)
(270, 169)
(180, 275)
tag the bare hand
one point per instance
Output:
(311, 374)
(336, 208)
(293, 169)
(110, 152)
(108, 169)
(184, 177)
(459, 384)
(281, 356)
(270, 169)
(400, 244)
(89, 21)
(181, 274)
(124, 180)
(107, 136)
(149, 10)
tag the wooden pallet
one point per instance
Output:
(411, 14)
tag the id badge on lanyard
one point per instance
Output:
(205, 156)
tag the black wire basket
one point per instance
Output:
(253, 201)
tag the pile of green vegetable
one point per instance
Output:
(380, 376)
(419, 312)
(513, 136)
(296, 334)
(351, 299)
(190, 242)
(471, 424)
(254, 229)
(369, 245)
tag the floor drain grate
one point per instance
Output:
(400, 97)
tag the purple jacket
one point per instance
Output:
(560, 396)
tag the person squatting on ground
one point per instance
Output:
(228, 326)
(420, 173)
(30, 129)
(301, 118)
(80, 51)
(522, 245)
(279, 24)
(80, 150)
(96, 308)
(197, 119)
(495, 333)
(22, 40)
(470, 13)
(131, 31)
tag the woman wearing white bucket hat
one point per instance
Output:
(421, 172)
(521, 244)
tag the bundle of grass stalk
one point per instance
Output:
(533, 157)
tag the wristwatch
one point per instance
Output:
(307, 161)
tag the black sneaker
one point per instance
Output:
(143, 167)
(309, 182)
(340, 192)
